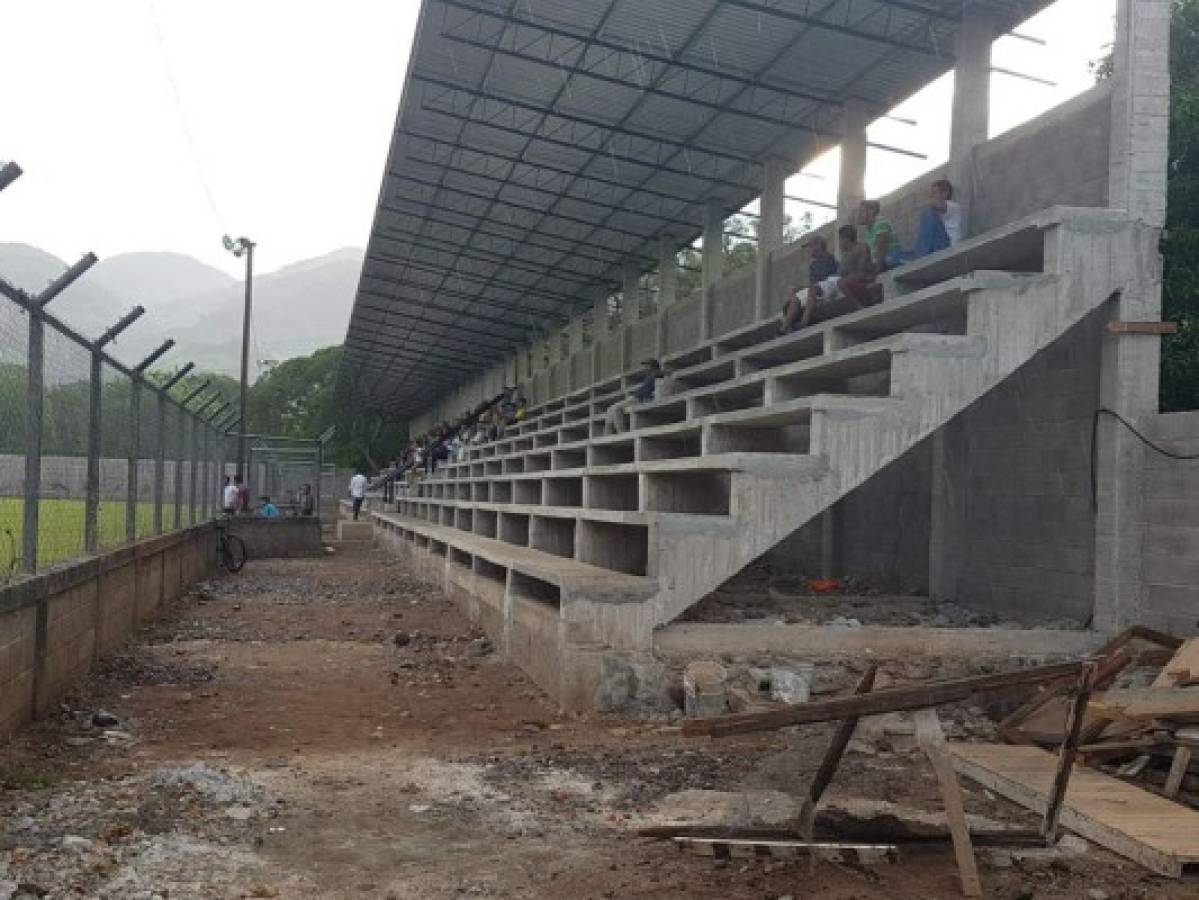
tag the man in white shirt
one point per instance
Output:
(229, 497)
(357, 492)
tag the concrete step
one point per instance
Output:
(569, 576)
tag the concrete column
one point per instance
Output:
(770, 231)
(713, 263)
(971, 122)
(1129, 368)
(630, 315)
(668, 287)
(632, 295)
(851, 185)
(1140, 110)
(599, 336)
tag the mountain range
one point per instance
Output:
(297, 309)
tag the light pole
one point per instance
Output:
(243, 246)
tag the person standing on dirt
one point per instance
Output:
(229, 497)
(243, 495)
(357, 492)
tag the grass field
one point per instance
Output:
(60, 528)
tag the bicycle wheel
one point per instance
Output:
(233, 553)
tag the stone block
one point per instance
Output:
(704, 684)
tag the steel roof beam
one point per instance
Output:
(610, 152)
(522, 207)
(470, 298)
(815, 22)
(527, 290)
(444, 362)
(547, 167)
(570, 71)
(643, 51)
(412, 239)
(603, 265)
(560, 197)
(599, 125)
(410, 304)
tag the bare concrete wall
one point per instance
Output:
(1027, 534)
(55, 626)
(1169, 596)
(880, 531)
(279, 538)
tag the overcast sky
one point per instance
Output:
(284, 113)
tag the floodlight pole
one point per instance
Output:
(243, 246)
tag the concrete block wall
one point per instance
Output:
(1027, 530)
(880, 532)
(55, 626)
(1169, 595)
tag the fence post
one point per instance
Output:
(193, 424)
(206, 472)
(33, 443)
(181, 425)
(160, 447)
(91, 512)
(220, 467)
(135, 414)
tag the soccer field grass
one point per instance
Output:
(60, 528)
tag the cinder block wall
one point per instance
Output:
(55, 626)
(1169, 596)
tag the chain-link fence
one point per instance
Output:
(93, 453)
(287, 473)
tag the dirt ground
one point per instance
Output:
(333, 728)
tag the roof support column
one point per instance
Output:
(630, 314)
(1130, 364)
(971, 121)
(1140, 127)
(771, 227)
(713, 263)
(668, 287)
(851, 187)
(599, 337)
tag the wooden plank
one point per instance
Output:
(878, 702)
(931, 739)
(1150, 328)
(1042, 720)
(1069, 751)
(1149, 703)
(851, 854)
(1178, 769)
(832, 758)
(1184, 665)
(1161, 835)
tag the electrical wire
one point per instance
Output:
(177, 96)
(1103, 411)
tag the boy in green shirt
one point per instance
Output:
(877, 234)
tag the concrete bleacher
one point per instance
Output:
(570, 547)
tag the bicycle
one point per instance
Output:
(230, 549)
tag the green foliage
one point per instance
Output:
(1180, 244)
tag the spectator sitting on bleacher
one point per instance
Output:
(877, 234)
(940, 225)
(615, 421)
(852, 283)
(822, 283)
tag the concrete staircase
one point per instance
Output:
(570, 547)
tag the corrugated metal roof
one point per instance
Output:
(541, 144)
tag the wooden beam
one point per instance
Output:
(931, 739)
(878, 702)
(1145, 328)
(1178, 769)
(1010, 728)
(1069, 751)
(831, 760)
